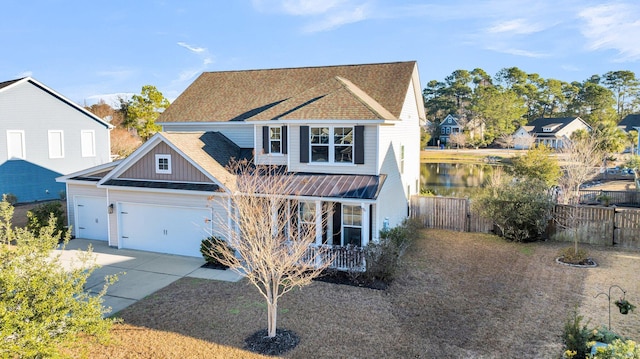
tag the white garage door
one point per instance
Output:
(164, 229)
(91, 218)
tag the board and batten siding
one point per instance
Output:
(241, 134)
(181, 169)
(76, 189)
(27, 107)
(370, 154)
(162, 199)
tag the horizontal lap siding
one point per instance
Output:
(181, 169)
(370, 158)
(241, 134)
(27, 107)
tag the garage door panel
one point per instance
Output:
(91, 218)
(164, 229)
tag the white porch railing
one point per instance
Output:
(344, 258)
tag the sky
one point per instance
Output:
(93, 50)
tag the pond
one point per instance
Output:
(454, 179)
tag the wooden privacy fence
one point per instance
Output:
(592, 224)
(448, 213)
(627, 198)
(598, 225)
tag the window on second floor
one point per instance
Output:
(56, 144)
(15, 144)
(163, 164)
(331, 144)
(275, 140)
(88, 143)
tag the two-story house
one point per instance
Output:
(448, 126)
(44, 135)
(551, 132)
(349, 135)
(632, 123)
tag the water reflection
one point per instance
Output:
(454, 179)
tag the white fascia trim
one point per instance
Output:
(161, 190)
(199, 124)
(320, 121)
(98, 168)
(135, 156)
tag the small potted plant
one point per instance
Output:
(624, 306)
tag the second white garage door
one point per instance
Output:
(91, 217)
(164, 229)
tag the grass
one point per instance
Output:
(458, 295)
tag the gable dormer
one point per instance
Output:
(551, 127)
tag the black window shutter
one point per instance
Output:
(304, 144)
(265, 139)
(284, 140)
(337, 223)
(359, 144)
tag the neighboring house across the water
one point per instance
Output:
(350, 135)
(449, 125)
(629, 123)
(45, 135)
(551, 132)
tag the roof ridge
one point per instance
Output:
(313, 67)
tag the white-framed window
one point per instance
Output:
(331, 144)
(306, 216)
(88, 143)
(351, 225)
(275, 139)
(15, 144)
(447, 130)
(56, 144)
(163, 164)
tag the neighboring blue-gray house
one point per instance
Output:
(632, 123)
(44, 135)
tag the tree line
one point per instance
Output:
(514, 97)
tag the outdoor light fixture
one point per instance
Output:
(111, 208)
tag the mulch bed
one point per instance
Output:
(352, 279)
(282, 342)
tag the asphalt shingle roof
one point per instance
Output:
(371, 90)
(629, 122)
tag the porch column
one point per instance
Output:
(366, 226)
(318, 222)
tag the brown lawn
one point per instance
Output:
(458, 295)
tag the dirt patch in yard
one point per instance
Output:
(458, 295)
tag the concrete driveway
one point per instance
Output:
(139, 273)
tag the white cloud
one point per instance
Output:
(520, 52)
(117, 75)
(112, 99)
(25, 74)
(517, 26)
(191, 72)
(323, 15)
(335, 20)
(613, 27)
(197, 50)
(309, 7)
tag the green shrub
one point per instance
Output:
(619, 349)
(603, 335)
(520, 209)
(576, 335)
(211, 249)
(11, 198)
(39, 216)
(383, 257)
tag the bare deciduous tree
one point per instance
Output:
(506, 140)
(524, 142)
(459, 139)
(580, 158)
(274, 249)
